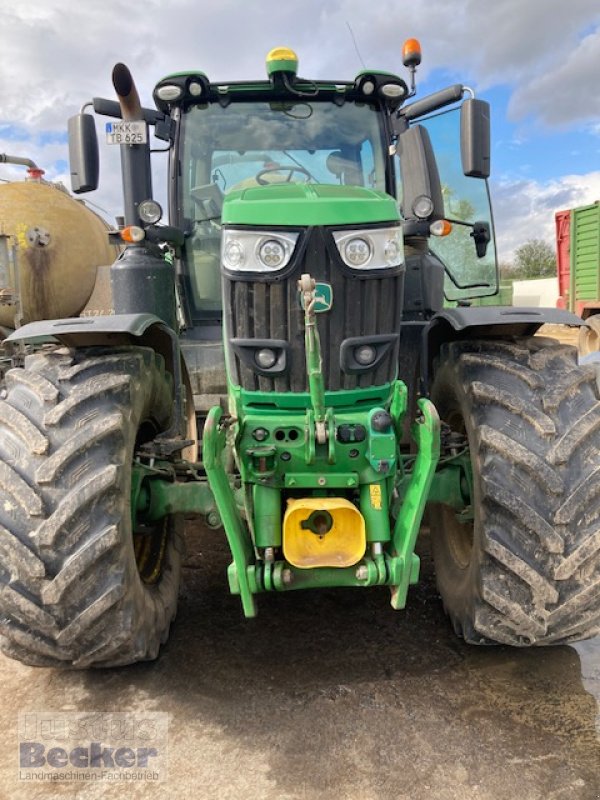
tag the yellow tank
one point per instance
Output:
(60, 242)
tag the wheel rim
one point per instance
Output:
(460, 535)
(150, 546)
(460, 538)
(149, 537)
(589, 337)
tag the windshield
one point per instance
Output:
(246, 144)
(465, 200)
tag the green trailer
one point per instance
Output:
(578, 258)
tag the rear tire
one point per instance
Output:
(80, 585)
(527, 569)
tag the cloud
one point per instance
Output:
(567, 93)
(525, 209)
(537, 46)
(55, 55)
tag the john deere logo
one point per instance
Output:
(323, 297)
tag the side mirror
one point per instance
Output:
(482, 237)
(475, 138)
(83, 153)
(420, 176)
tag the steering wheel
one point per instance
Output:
(285, 169)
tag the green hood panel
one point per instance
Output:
(291, 204)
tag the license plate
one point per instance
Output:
(126, 132)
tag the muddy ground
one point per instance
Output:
(333, 695)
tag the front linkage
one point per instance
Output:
(324, 486)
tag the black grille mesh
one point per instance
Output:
(361, 307)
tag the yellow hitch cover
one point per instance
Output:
(323, 532)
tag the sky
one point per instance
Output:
(537, 62)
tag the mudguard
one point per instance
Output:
(485, 322)
(147, 330)
(529, 318)
(82, 330)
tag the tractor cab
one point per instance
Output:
(256, 142)
(285, 156)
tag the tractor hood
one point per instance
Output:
(308, 204)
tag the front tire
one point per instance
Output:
(526, 569)
(80, 584)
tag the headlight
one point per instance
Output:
(265, 357)
(257, 251)
(272, 253)
(375, 248)
(423, 206)
(357, 252)
(150, 212)
(365, 354)
(234, 254)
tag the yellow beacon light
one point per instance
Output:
(282, 59)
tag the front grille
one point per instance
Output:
(362, 307)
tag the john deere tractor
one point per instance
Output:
(298, 357)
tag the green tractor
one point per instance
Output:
(295, 359)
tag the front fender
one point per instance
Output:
(146, 330)
(485, 322)
(85, 331)
(525, 320)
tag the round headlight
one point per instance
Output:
(233, 254)
(365, 354)
(392, 252)
(368, 87)
(265, 358)
(272, 253)
(150, 211)
(195, 89)
(357, 252)
(423, 207)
